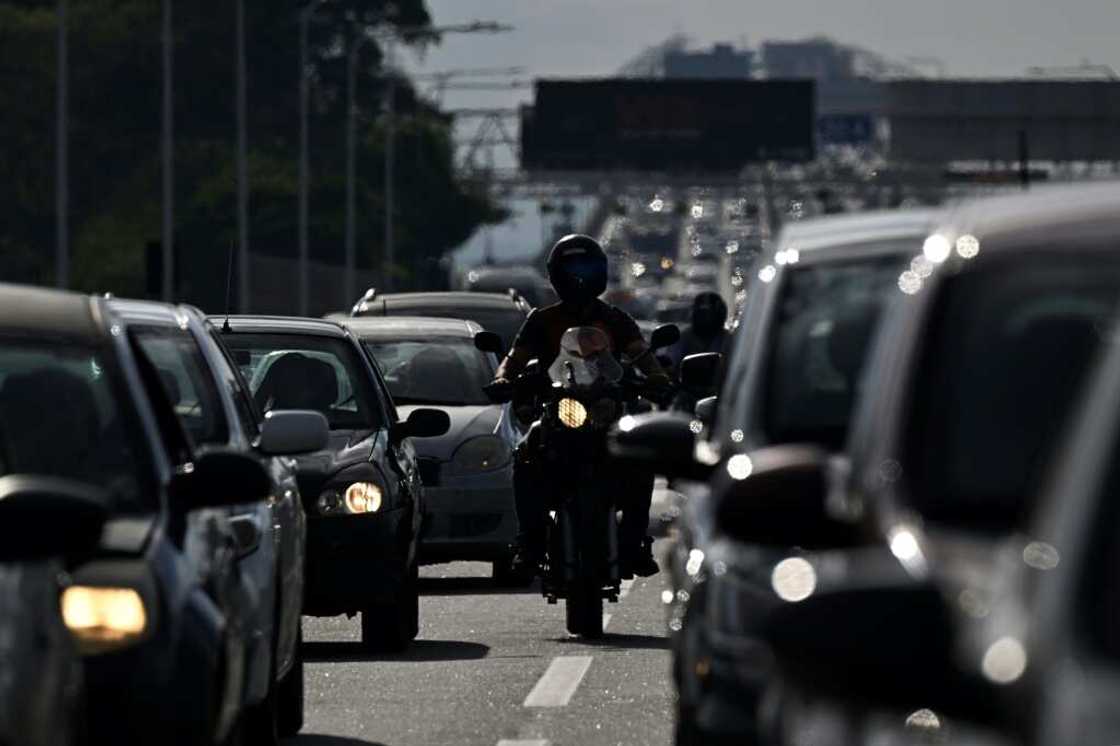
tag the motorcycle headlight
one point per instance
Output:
(571, 413)
(481, 454)
(103, 619)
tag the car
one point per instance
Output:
(156, 609)
(214, 406)
(468, 473)
(791, 377)
(362, 494)
(525, 280)
(977, 375)
(500, 313)
(47, 525)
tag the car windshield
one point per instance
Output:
(1005, 358)
(825, 320)
(446, 370)
(324, 374)
(61, 416)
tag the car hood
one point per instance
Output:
(466, 422)
(345, 448)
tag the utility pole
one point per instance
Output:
(349, 283)
(62, 154)
(304, 165)
(168, 234)
(242, 167)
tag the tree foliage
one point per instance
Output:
(115, 56)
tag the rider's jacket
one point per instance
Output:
(543, 329)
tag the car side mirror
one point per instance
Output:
(423, 423)
(700, 372)
(222, 478)
(43, 517)
(293, 431)
(662, 442)
(489, 342)
(778, 496)
(664, 336)
(705, 410)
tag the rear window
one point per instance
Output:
(504, 323)
(1008, 349)
(825, 321)
(444, 370)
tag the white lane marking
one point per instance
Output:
(626, 586)
(527, 742)
(560, 681)
(606, 620)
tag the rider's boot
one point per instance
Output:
(640, 561)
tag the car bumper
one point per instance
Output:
(470, 518)
(355, 561)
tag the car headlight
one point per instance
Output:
(103, 619)
(571, 413)
(356, 498)
(481, 454)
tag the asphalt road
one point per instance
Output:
(494, 667)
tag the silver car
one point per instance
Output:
(467, 473)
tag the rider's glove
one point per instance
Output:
(499, 391)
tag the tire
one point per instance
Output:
(289, 695)
(584, 611)
(259, 724)
(389, 628)
(506, 577)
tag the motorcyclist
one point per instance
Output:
(577, 269)
(706, 333)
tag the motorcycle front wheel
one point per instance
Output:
(584, 610)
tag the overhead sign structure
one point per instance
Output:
(943, 121)
(667, 125)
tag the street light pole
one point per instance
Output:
(304, 166)
(62, 154)
(168, 236)
(349, 283)
(242, 166)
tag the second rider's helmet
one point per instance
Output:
(709, 314)
(577, 268)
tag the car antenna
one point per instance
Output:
(229, 289)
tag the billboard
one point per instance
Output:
(666, 125)
(943, 121)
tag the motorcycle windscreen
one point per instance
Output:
(585, 358)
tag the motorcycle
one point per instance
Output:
(583, 393)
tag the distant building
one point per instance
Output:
(722, 61)
(820, 59)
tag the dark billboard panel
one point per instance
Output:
(945, 121)
(667, 125)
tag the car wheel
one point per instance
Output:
(289, 695)
(391, 627)
(259, 724)
(505, 576)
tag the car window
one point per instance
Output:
(504, 323)
(824, 322)
(448, 370)
(324, 374)
(1006, 353)
(1098, 592)
(187, 381)
(238, 389)
(62, 415)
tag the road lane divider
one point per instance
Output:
(559, 682)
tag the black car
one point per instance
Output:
(213, 404)
(525, 280)
(41, 682)
(501, 313)
(363, 494)
(791, 377)
(155, 610)
(977, 376)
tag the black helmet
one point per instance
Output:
(577, 268)
(709, 314)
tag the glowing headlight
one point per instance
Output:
(103, 618)
(571, 413)
(363, 497)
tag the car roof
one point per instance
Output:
(449, 299)
(833, 232)
(36, 310)
(398, 326)
(280, 325)
(1047, 216)
(146, 310)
